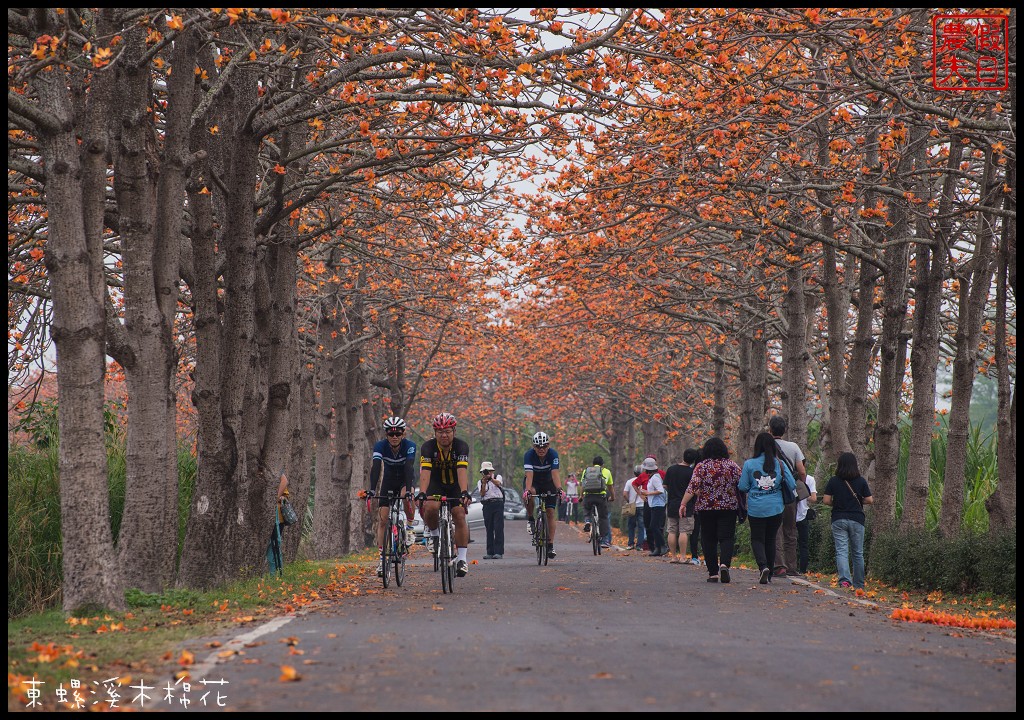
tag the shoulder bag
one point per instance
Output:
(288, 514)
(802, 491)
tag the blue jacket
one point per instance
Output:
(764, 498)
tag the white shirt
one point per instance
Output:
(631, 495)
(801, 507)
(493, 489)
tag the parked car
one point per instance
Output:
(514, 508)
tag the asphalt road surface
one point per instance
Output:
(617, 632)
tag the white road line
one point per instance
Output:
(202, 669)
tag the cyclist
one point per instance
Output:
(444, 470)
(392, 473)
(541, 465)
(598, 498)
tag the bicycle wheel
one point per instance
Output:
(400, 553)
(435, 543)
(385, 559)
(595, 534)
(453, 554)
(443, 552)
(538, 539)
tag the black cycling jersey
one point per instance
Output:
(444, 465)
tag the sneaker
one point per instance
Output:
(695, 561)
(586, 527)
(495, 557)
(461, 569)
(780, 573)
(764, 576)
(488, 557)
(723, 572)
(846, 584)
(630, 547)
(795, 573)
(605, 545)
(551, 552)
(380, 568)
(529, 526)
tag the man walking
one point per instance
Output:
(493, 499)
(786, 540)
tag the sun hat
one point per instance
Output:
(486, 466)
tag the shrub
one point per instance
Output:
(966, 563)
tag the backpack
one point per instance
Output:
(593, 480)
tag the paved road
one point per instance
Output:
(616, 632)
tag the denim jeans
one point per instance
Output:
(848, 536)
(636, 528)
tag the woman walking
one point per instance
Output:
(762, 479)
(713, 484)
(847, 492)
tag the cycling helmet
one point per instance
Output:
(444, 420)
(541, 439)
(394, 423)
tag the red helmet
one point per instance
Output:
(444, 420)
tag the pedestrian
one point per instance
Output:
(275, 553)
(804, 515)
(713, 484)
(793, 457)
(761, 480)
(677, 479)
(635, 523)
(572, 498)
(640, 483)
(656, 496)
(847, 492)
(492, 497)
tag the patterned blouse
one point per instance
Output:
(715, 480)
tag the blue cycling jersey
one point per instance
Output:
(541, 468)
(398, 463)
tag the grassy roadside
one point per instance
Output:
(144, 642)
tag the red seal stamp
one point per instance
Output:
(970, 52)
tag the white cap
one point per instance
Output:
(649, 464)
(486, 466)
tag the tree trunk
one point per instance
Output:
(1002, 504)
(893, 343)
(753, 377)
(795, 354)
(974, 291)
(929, 269)
(718, 416)
(860, 361)
(150, 206)
(74, 264)
(232, 513)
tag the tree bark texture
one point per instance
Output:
(975, 283)
(74, 263)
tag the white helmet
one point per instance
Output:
(394, 423)
(541, 439)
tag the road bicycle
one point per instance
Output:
(446, 555)
(395, 549)
(540, 527)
